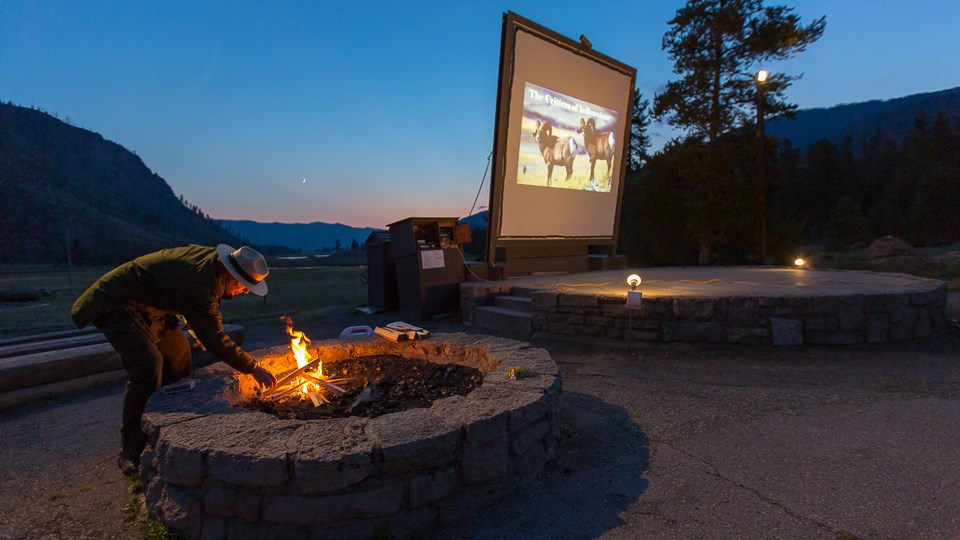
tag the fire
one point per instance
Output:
(298, 343)
(309, 384)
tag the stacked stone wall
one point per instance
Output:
(780, 320)
(216, 471)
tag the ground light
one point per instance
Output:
(634, 301)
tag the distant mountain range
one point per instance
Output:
(316, 236)
(306, 237)
(893, 117)
(67, 189)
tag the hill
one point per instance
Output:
(307, 237)
(478, 219)
(63, 185)
(894, 117)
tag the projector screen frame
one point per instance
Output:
(512, 24)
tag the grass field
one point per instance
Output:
(313, 292)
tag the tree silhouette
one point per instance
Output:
(715, 46)
(639, 139)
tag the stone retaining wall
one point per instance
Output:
(216, 471)
(787, 320)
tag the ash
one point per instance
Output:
(378, 385)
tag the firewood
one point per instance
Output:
(334, 388)
(285, 392)
(326, 385)
(296, 373)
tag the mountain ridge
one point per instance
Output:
(68, 190)
(894, 117)
(309, 237)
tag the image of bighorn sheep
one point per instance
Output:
(555, 150)
(599, 144)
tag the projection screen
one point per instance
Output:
(561, 107)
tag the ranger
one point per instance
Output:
(137, 305)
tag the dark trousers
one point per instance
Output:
(149, 366)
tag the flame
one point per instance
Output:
(310, 383)
(298, 343)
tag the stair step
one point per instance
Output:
(523, 292)
(508, 321)
(516, 303)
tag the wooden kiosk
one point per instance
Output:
(430, 267)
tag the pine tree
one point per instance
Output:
(715, 46)
(639, 139)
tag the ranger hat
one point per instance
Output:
(247, 265)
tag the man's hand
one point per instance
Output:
(264, 377)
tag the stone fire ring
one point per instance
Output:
(212, 470)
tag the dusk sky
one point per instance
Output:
(386, 109)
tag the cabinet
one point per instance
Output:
(429, 266)
(381, 272)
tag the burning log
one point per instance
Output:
(284, 393)
(317, 398)
(299, 379)
(324, 384)
(291, 376)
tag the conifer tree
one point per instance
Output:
(639, 139)
(715, 46)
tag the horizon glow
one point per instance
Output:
(387, 110)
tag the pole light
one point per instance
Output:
(761, 222)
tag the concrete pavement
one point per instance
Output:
(676, 441)
(686, 442)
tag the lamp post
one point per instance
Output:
(761, 224)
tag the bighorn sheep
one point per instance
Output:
(556, 151)
(599, 144)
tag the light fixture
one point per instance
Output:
(634, 301)
(799, 262)
(760, 220)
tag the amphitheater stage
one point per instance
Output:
(752, 305)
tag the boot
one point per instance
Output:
(129, 465)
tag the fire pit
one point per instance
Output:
(349, 385)
(217, 469)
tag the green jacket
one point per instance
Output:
(180, 281)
